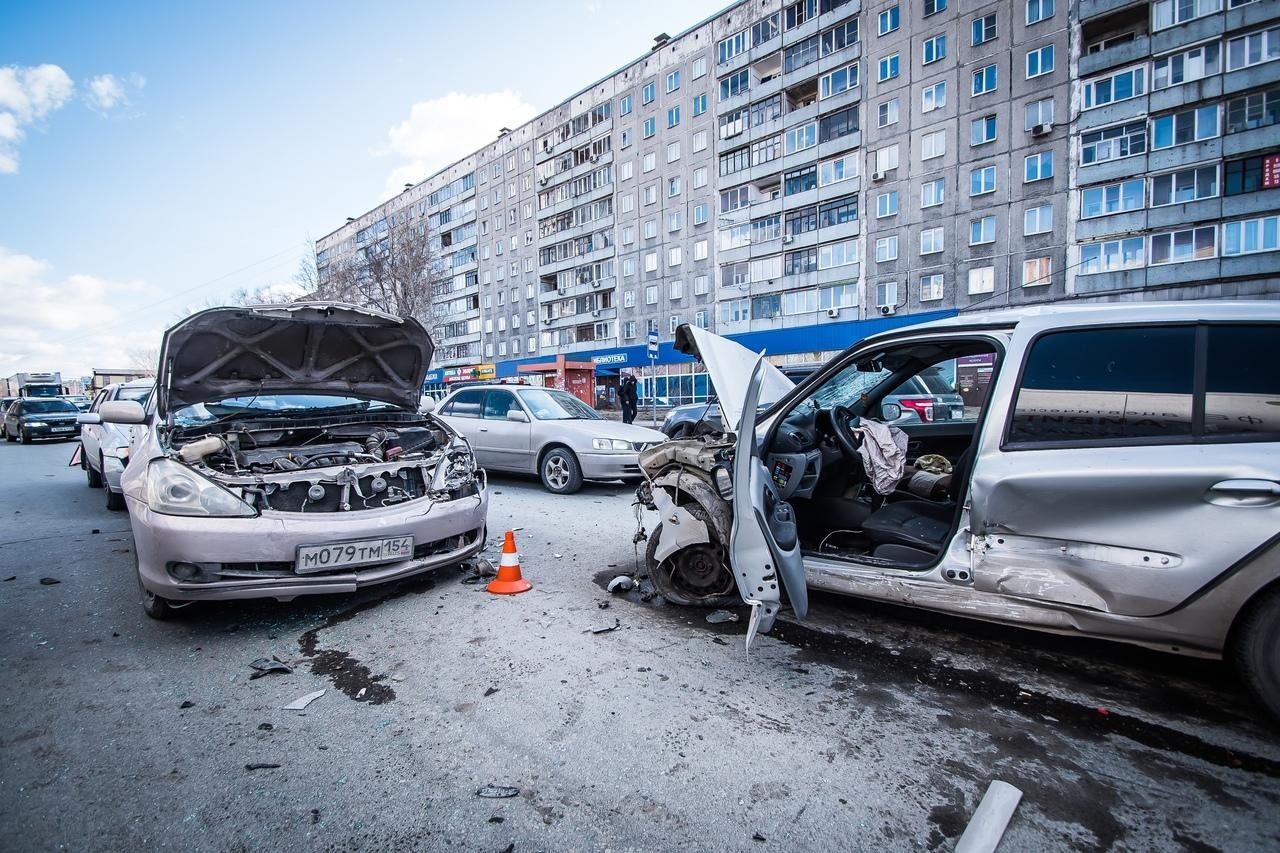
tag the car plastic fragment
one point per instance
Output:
(302, 702)
(621, 583)
(266, 666)
(498, 792)
(679, 528)
(988, 823)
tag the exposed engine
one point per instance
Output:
(338, 468)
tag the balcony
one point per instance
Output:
(1093, 8)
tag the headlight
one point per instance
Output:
(121, 453)
(610, 444)
(174, 489)
(37, 423)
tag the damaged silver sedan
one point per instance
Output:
(283, 454)
(1113, 473)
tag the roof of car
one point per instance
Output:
(1046, 316)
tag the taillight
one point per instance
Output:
(922, 406)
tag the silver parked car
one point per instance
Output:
(105, 448)
(283, 454)
(528, 429)
(1120, 480)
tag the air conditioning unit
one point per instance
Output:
(787, 238)
(547, 322)
(877, 176)
(595, 283)
(595, 313)
(833, 313)
(595, 158)
(886, 310)
(1042, 130)
(543, 181)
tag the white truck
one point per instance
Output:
(35, 385)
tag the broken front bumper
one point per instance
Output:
(254, 557)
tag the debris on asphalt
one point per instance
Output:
(265, 727)
(12, 578)
(302, 702)
(758, 837)
(621, 583)
(398, 676)
(95, 531)
(615, 626)
(187, 703)
(497, 819)
(261, 765)
(988, 823)
(1104, 712)
(558, 556)
(716, 617)
(497, 792)
(49, 581)
(315, 815)
(491, 691)
(603, 605)
(266, 666)
(720, 641)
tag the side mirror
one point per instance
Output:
(427, 405)
(890, 411)
(89, 418)
(122, 412)
(517, 415)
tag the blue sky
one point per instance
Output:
(178, 151)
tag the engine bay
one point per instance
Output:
(343, 467)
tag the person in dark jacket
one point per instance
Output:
(629, 398)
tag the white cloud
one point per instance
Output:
(106, 92)
(27, 95)
(69, 324)
(442, 130)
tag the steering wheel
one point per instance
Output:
(843, 422)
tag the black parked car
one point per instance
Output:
(5, 402)
(30, 418)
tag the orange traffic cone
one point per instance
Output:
(509, 580)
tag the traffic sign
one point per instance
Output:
(653, 343)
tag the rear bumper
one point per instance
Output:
(261, 551)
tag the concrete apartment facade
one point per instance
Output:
(797, 175)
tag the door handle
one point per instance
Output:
(484, 429)
(1245, 488)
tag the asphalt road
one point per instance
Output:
(868, 729)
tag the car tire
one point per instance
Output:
(561, 474)
(93, 477)
(1256, 650)
(718, 588)
(23, 437)
(115, 500)
(154, 606)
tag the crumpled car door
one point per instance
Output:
(764, 544)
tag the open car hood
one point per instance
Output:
(300, 348)
(730, 365)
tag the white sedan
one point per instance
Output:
(104, 448)
(546, 431)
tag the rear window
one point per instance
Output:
(1107, 384)
(465, 405)
(1242, 385)
(47, 407)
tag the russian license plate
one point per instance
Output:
(957, 413)
(366, 552)
(63, 429)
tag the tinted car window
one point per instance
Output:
(465, 405)
(48, 407)
(1242, 389)
(1107, 384)
(498, 403)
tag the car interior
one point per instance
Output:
(813, 460)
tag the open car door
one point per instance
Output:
(764, 545)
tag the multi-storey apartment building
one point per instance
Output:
(797, 174)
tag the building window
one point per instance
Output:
(933, 144)
(1260, 109)
(651, 293)
(1112, 255)
(933, 193)
(699, 104)
(735, 84)
(675, 290)
(700, 141)
(800, 302)
(982, 29)
(699, 177)
(800, 55)
(1039, 61)
(890, 19)
(837, 296)
(675, 220)
(801, 138)
(700, 319)
(1253, 49)
(1184, 127)
(651, 265)
(650, 127)
(840, 80)
(932, 7)
(801, 221)
(887, 113)
(887, 204)
(1195, 64)
(766, 307)
(801, 262)
(838, 212)
(735, 311)
(931, 287)
(1185, 186)
(651, 194)
(1039, 113)
(700, 214)
(984, 80)
(673, 80)
(887, 158)
(1037, 220)
(700, 251)
(886, 249)
(933, 49)
(1248, 236)
(701, 283)
(699, 67)
(839, 37)
(673, 116)
(837, 254)
(1037, 167)
(1039, 10)
(800, 180)
(1168, 13)
(837, 170)
(1116, 86)
(647, 94)
(629, 330)
(1037, 272)
(1113, 198)
(624, 105)
(889, 67)
(982, 280)
(982, 231)
(1113, 143)
(1243, 176)
(673, 151)
(650, 229)
(798, 13)
(838, 124)
(730, 47)
(931, 241)
(1189, 244)
(933, 97)
(982, 180)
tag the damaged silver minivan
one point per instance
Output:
(1115, 474)
(283, 453)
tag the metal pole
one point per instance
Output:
(653, 388)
